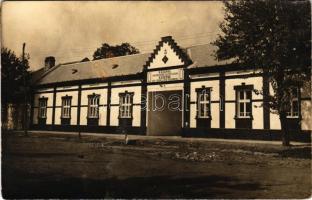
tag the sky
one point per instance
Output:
(71, 31)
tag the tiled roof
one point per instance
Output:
(36, 75)
(103, 68)
(199, 56)
(202, 56)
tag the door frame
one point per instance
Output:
(178, 91)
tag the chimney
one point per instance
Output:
(49, 62)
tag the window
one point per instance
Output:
(125, 105)
(203, 103)
(93, 106)
(243, 103)
(293, 111)
(66, 106)
(243, 109)
(43, 107)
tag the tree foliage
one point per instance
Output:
(108, 51)
(274, 35)
(13, 72)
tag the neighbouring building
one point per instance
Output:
(171, 91)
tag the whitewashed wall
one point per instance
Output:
(136, 108)
(257, 109)
(173, 59)
(35, 116)
(215, 96)
(58, 109)
(229, 115)
(49, 105)
(93, 85)
(306, 107)
(230, 83)
(102, 109)
(275, 123)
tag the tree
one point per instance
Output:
(13, 72)
(15, 80)
(86, 59)
(273, 35)
(107, 51)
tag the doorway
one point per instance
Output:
(164, 113)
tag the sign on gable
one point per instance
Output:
(165, 75)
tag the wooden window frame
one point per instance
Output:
(203, 121)
(243, 122)
(200, 91)
(95, 100)
(221, 104)
(67, 106)
(42, 108)
(243, 88)
(128, 104)
(291, 115)
(243, 102)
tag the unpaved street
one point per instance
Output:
(47, 165)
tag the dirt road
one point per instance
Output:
(42, 166)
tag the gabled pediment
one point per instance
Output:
(167, 54)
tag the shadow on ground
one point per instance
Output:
(17, 184)
(303, 153)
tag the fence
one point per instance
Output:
(12, 116)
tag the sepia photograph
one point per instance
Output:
(156, 99)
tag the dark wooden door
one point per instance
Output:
(42, 122)
(164, 113)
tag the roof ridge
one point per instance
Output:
(195, 45)
(72, 62)
(111, 58)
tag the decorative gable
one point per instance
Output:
(167, 54)
(166, 57)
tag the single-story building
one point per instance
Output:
(171, 91)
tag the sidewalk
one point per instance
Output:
(165, 138)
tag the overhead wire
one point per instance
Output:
(143, 46)
(135, 43)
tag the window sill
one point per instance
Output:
(203, 118)
(243, 118)
(197, 117)
(125, 117)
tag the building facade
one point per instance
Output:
(172, 91)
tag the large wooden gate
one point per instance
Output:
(164, 113)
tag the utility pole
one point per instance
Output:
(25, 91)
